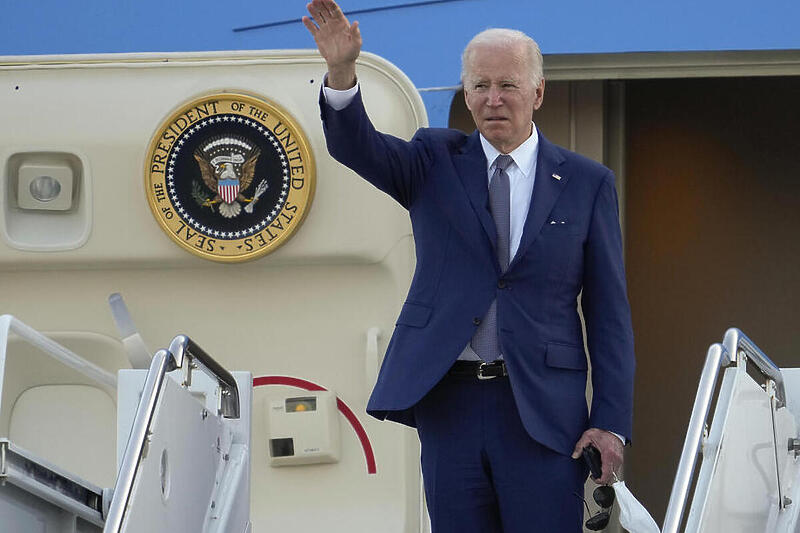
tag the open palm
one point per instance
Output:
(338, 41)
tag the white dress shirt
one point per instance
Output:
(338, 99)
(521, 174)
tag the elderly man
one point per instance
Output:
(487, 360)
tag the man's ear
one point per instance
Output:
(466, 99)
(539, 96)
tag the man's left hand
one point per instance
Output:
(610, 448)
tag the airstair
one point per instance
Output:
(183, 426)
(748, 476)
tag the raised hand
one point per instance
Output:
(338, 41)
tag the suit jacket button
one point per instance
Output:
(476, 321)
(501, 284)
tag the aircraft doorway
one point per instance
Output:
(712, 220)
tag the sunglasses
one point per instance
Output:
(604, 497)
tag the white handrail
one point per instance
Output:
(735, 341)
(734, 344)
(140, 432)
(10, 324)
(716, 358)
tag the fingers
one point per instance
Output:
(338, 42)
(315, 9)
(325, 11)
(328, 12)
(605, 476)
(581, 444)
(309, 24)
(332, 8)
(610, 448)
(328, 22)
(333, 11)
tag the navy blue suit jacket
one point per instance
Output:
(571, 242)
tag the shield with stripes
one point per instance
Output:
(228, 189)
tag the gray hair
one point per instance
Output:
(505, 36)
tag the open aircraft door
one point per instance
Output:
(198, 186)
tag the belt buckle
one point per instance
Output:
(483, 365)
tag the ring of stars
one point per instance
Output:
(258, 129)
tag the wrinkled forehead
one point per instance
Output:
(498, 61)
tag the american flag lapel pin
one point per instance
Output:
(556, 176)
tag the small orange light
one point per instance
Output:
(301, 405)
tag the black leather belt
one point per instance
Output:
(479, 369)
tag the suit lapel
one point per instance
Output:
(546, 190)
(471, 170)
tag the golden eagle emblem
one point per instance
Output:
(227, 168)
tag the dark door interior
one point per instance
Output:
(712, 241)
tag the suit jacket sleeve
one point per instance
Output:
(607, 314)
(393, 165)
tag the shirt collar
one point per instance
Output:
(524, 155)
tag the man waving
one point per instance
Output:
(487, 359)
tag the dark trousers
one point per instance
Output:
(483, 473)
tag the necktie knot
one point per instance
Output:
(502, 162)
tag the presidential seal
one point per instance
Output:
(229, 177)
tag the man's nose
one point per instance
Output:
(495, 98)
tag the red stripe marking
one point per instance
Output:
(351, 417)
